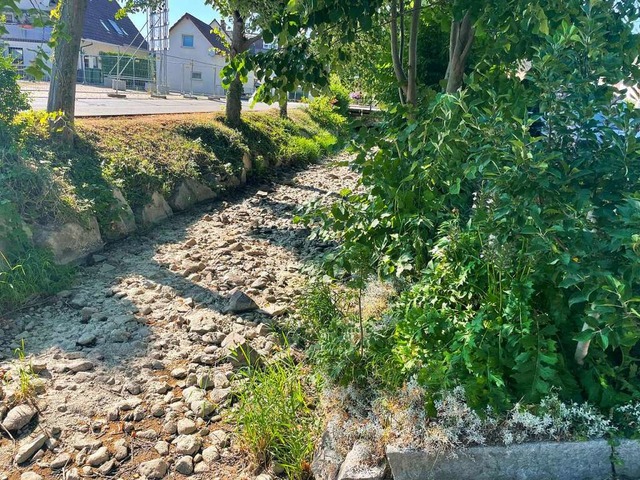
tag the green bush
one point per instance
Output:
(340, 93)
(342, 344)
(276, 421)
(523, 248)
(13, 100)
(322, 111)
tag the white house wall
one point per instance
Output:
(201, 58)
(183, 60)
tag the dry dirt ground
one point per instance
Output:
(135, 362)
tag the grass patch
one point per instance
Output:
(275, 416)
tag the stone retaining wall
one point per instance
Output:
(73, 241)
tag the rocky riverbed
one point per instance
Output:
(135, 365)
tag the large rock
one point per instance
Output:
(357, 464)
(628, 454)
(530, 461)
(18, 417)
(29, 447)
(70, 242)
(156, 211)
(326, 460)
(153, 469)
(123, 223)
(187, 444)
(241, 302)
(188, 193)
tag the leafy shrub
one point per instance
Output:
(274, 413)
(322, 111)
(13, 100)
(301, 149)
(523, 248)
(343, 344)
(341, 98)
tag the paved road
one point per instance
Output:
(135, 105)
(93, 101)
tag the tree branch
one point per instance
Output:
(397, 65)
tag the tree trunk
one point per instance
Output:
(234, 94)
(396, 54)
(234, 103)
(412, 81)
(62, 90)
(460, 41)
(284, 108)
(408, 81)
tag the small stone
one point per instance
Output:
(18, 417)
(186, 426)
(147, 434)
(80, 365)
(72, 474)
(86, 312)
(30, 476)
(86, 340)
(241, 302)
(187, 444)
(133, 388)
(162, 448)
(29, 447)
(99, 457)
(61, 461)
(153, 469)
(157, 410)
(179, 373)
(219, 395)
(211, 454)
(120, 450)
(184, 465)
(130, 404)
(107, 467)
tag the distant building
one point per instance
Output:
(196, 56)
(197, 53)
(102, 34)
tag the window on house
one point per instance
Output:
(105, 26)
(187, 41)
(17, 54)
(116, 27)
(10, 17)
(196, 75)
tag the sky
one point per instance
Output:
(177, 8)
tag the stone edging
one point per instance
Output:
(590, 460)
(72, 242)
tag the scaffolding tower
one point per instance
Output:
(158, 25)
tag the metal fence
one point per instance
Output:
(134, 72)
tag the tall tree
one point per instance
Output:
(67, 35)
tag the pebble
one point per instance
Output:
(62, 460)
(30, 476)
(182, 298)
(29, 447)
(19, 417)
(99, 457)
(186, 426)
(184, 465)
(187, 444)
(154, 469)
